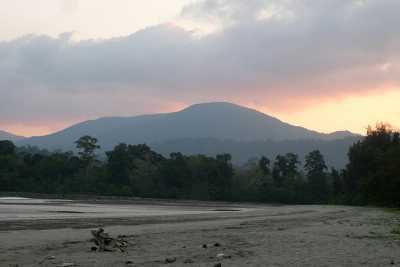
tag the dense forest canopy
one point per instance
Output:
(372, 175)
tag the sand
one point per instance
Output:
(55, 232)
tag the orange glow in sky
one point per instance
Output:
(352, 113)
(36, 129)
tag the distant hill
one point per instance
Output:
(341, 135)
(9, 136)
(334, 151)
(219, 121)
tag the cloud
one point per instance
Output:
(278, 53)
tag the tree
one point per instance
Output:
(315, 170)
(223, 178)
(119, 164)
(87, 146)
(263, 164)
(285, 168)
(293, 163)
(337, 182)
(7, 148)
(8, 166)
(373, 172)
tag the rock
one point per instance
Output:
(223, 256)
(218, 264)
(170, 260)
(204, 245)
(128, 262)
(392, 262)
(93, 248)
(217, 244)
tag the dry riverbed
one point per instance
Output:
(56, 233)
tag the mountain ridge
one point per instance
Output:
(10, 136)
(207, 128)
(220, 120)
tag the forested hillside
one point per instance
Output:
(371, 177)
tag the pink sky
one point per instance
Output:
(330, 65)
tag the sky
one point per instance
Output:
(326, 65)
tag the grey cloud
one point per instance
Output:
(305, 49)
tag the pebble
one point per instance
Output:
(170, 260)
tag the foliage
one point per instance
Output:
(372, 175)
(87, 146)
(315, 171)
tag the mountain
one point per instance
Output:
(9, 136)
(334, 151)
(218, 121)
(340, 135)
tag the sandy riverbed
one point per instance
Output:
(52, 232)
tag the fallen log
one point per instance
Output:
(104, 242)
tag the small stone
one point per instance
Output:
(204, 245)
(218, 264)
(392, 262)
(170, 260)
(128, 262)
(217, 244)
(223, 256)
(93, 248)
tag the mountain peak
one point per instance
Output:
(218, 120)
(205, 128)
(342, 134)
(214, 105)
(225, 109)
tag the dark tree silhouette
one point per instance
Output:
(264, 163)
(87, 146)
(315, 170)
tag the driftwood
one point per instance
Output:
(104, 242)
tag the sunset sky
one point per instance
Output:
(326, 65)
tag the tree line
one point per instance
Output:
(372, 175)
